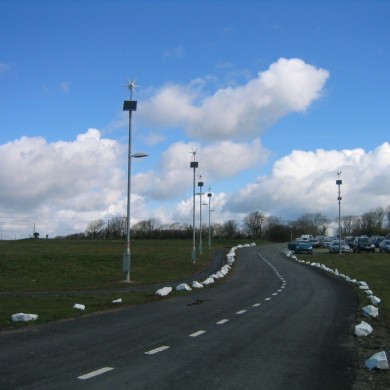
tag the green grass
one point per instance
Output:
(60, 268)
(373, 268)
(94, 267)
(65, 265)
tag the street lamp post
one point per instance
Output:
(209, 194)
(338, 183)
(194, 165)
(200, 185)
(130, 106)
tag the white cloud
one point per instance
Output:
(289, 85)
(4, 68)
(216, 161)
(176, 52)
(64, 185)
(65, 86)
(305, 182)
(80, 177)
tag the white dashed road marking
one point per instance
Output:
(222, 321)
(198, 333)
(256, 304)
(241, 312)
(95, 373)
(157, 350)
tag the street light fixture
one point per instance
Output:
(338, 183)
(130, 106)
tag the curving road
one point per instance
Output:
(272, 324)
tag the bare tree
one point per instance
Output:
(253, 224)
(379, 214)
(276, 230)
(347, 225)
(230, 229)
(148, 227)
(387, 213)
(95, 228)
(117, 227)
(314, 223)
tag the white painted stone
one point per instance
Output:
(183, 287)
(162, 292)
(24, 317)
(363, 329)
(370, 311)
(378, 360)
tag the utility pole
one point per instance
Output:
(200, 185)
(193, 165)
(338, 183)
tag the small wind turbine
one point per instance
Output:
(131, 85)
(193, 152)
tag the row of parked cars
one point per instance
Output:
(334, 245)
(369, 244)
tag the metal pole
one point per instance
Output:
(128, 105)
(339, 182)
(193, 165)
(200, 217)
(209, 195)
(128, 253)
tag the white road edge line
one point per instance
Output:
(198, 333)
(95, 373)
(157, 350)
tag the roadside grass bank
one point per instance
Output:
(374, 269)
(60, 273)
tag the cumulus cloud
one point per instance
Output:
(64, 185)
(79, 177)
(287, 86)
(4, 68)
(218, 160)
(304, 182)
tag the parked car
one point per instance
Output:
(363, 244)
(326, 242)
(334, 247)
(349, 240)
(299, 246)
(315, 243)
(377, 240)
(384, 246)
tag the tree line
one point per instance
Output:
(256, 225)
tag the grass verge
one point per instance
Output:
(374, 269)
(47, 277)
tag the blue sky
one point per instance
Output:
(276, 96)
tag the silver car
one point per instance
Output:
(384, 246)
(334, 247)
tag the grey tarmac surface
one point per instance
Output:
(271, 324)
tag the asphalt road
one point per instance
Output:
(272, 324)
